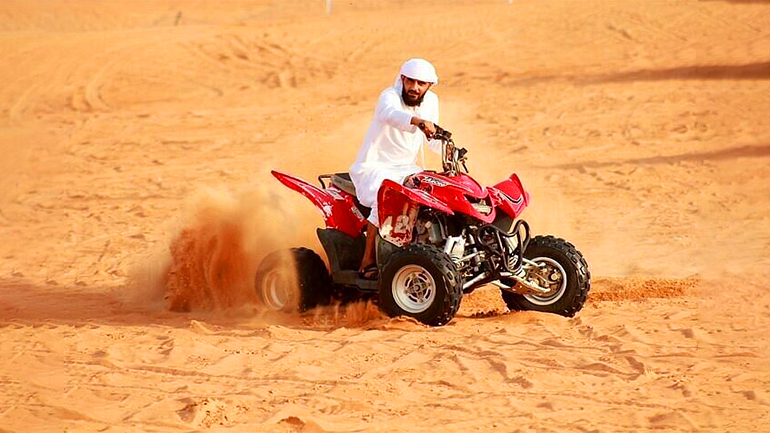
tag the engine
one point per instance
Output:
(429, 231)
(479, 251)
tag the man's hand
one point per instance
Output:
(427, 127)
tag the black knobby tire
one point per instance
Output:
(575, 267)
(313, 285)
(447, 283)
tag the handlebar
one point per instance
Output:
(451, 156)
(440, 134)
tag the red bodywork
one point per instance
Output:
(451, 194)
(399, 204)
(338, 208)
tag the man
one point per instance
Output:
(404, 117)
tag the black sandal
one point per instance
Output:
(370, 272)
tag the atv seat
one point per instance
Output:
(343, 182)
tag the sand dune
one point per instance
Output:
(640, 129)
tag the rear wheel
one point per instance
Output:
(562, 270)
(420, 281)
(293, 279)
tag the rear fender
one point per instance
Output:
(510, 196)
(337, 207)
(398, 208)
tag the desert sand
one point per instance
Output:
(640, 128)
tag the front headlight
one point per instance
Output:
(482, 208)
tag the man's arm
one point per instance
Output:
(389, 111)
(426, 126)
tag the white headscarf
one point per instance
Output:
(416, 69)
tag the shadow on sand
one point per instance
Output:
(742, 1)
(750, 71)
(28, 304)
(753, 151)
(22, 302)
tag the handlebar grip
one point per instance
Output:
(440, 133)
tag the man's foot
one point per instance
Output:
(370, 272)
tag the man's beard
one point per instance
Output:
(411, 101)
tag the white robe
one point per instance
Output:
(391, 145)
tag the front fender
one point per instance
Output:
(398, 208)
(510, 196)
(338, 209)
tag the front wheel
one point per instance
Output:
(420, 281)
(293, 279)
(561, 269)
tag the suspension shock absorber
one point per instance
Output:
(500, 244)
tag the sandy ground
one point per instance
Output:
(640, 128)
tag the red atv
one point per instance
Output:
(441, 235)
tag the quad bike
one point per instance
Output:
(441, 235)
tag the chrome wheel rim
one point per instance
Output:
(414, 289)
(275, 290)
(550, 275)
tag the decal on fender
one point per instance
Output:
(399, 233)
(433, 181)
(357, 213)
(334, 193)
(401, 227)
(516, 202)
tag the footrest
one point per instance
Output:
(351, 278)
